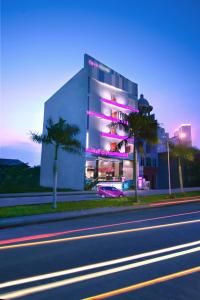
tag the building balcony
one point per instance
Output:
(119, 105)
(101, 152)
(104, 117)
(115, 136)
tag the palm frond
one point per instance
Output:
(39, 138)
(60, 134)
(182, 151)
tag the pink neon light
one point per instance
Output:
(101, 116)
(106, 153)
(119, 105)
(115, 136)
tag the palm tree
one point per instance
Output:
(62, 136)
(181, 152)
(140, 127)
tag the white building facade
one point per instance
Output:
(94, 100)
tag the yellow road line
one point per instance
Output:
(52, 285)
(96, 265)
(75, 238)
(144, 284)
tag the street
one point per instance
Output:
(33, 198)
(148, 255)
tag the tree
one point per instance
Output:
(141, 127)
(182, 152)
(62, 136)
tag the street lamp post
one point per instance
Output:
(181, 141)
(169, 173)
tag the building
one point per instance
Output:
(94, 100)
(148, 159)
(183, 135)
(163, 138)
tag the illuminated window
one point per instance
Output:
(113, 147)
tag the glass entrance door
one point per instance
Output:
(109, 169)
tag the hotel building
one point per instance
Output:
(94, 99)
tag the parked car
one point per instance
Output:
(110, 192)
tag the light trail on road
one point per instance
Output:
(144, 284)
(52, 285)
(47, 235)
(96, 265)
(75, 238)
(174, 202)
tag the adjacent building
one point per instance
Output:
(148, 159)
(182, 135)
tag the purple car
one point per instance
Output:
(110, 192)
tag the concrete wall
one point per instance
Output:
(70, 103)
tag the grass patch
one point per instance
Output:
(154, 198)
(35, 209)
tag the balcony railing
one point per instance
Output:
(116, 104)
(106, 153)
(101, 116)
(115, 136)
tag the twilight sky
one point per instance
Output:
(154, 43)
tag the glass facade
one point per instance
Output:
(104, 169)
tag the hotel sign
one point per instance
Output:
(99, 66)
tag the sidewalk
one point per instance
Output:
(45, 218)
(37, 194)
(142, 192)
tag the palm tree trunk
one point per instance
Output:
(55, 178)
(135, 173)
(180, 175)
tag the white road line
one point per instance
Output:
(75, 238)
(45, 287)
(94, 266)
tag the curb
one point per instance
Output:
(47, 218)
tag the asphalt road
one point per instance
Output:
(85, 258)
(20, 200)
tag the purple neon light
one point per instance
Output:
(101, 116)
(115, 136)
(119, 105)
(106, 153)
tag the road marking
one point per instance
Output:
(52, 285)
(144, 284)
(75, 238)
(174, 202)
(94, 266)
(47, 235)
